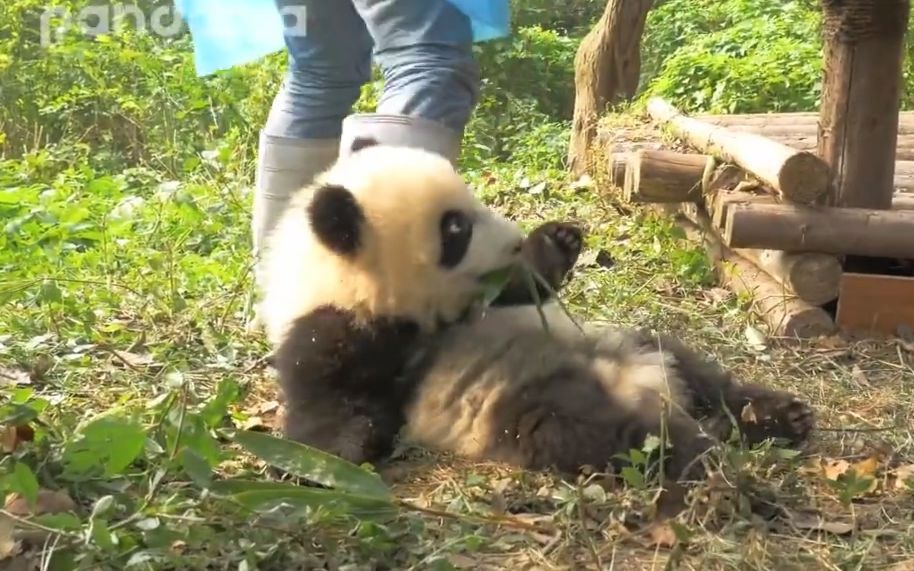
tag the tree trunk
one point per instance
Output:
(606, 69)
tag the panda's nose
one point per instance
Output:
(518, 247)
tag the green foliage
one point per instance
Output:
(735, 56)
(125, 264)
(526, 100)
(738, 56)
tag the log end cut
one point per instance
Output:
(804, 177)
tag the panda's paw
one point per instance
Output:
(562, 238)
(800, 419)
(789, 417)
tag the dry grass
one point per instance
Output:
(762, 509)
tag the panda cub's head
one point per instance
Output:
(386, 231)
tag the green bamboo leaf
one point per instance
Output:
(313, 499)
(312, 464)
(494, 283)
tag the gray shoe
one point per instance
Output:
(401, 130)
(284, 165)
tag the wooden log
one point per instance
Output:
(800, 122)
(903, 201)
(785, 314)
(796, 175)
(861, 97)
(666, 176)
(812, 277)
(875, 303)
(794, 228)
(904, 149)
(722, 201)
(618, 163)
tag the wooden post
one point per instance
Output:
(858, 127)
(666, 176)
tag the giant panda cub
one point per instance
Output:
(371, 304)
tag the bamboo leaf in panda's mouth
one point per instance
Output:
(494, 283)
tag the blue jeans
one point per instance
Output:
(423, 47)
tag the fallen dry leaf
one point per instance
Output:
(134, 360)
(12, 436)
(757, 340)
(9, 546)
(661, 534)
(14, 377)
(49, 502)
(268, 407)
(860, 377)
(747, 415)
(818, 523)
(254, 423)
(902, 475)
(718, 295)
(834, 469)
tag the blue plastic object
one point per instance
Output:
(227, 33)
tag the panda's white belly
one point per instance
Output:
(507, 353)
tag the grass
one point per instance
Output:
(146, 334)
(129, 388)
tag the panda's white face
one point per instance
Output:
(386, 231)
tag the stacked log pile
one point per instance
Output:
(758, 193)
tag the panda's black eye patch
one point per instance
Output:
(456, 233)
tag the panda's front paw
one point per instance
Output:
(553, 249)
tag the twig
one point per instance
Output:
(496, 520)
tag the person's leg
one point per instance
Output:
(431, 79)
(328, 64)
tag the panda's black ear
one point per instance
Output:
(336, 219)
(360, 143)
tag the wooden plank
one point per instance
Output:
(870, 304)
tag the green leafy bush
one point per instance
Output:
(738, 56)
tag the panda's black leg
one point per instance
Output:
(772, 414)
(339, 378)
(551, 251)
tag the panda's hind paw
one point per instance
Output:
(785, 416)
